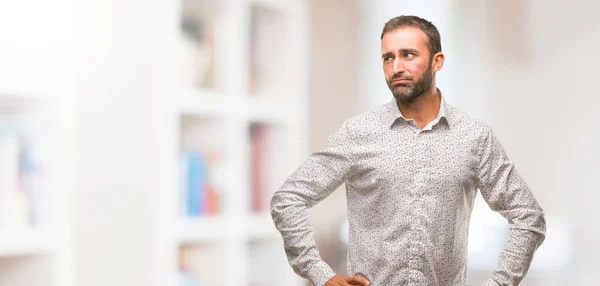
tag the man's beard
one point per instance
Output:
(412, 90)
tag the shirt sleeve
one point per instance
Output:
(506, 192)
(321, 174)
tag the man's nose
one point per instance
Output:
(398, 66)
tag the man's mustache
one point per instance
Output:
(400, 77)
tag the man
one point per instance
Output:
(412, 169)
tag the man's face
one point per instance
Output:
(406, 62)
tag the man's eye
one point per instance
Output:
(387, 59)
(409, 55)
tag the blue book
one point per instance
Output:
(188, 279)
(196, 180)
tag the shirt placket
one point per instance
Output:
(417, 235)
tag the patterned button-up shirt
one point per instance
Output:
(410, 193)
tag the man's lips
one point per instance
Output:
(400, 81)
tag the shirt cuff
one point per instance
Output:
(319, 273)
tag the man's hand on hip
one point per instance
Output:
(339, 280)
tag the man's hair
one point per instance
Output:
(434, 44)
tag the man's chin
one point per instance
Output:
(404, 96)
(401, 91)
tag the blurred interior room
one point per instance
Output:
(141, 141)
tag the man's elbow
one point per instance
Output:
(280, 201)
(275, 203)
(542, 227)
(535, 223)
(285, 203)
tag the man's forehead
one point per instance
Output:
(405, 37)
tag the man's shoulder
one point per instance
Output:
(463, 120)
(369, 121)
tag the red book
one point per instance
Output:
(258, 137)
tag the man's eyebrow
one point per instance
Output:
(402, 51)
(412, 51)
(388, 54)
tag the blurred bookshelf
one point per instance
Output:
(233, 105)
(34, 188)
(36, 92)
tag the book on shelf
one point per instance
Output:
(201, 196)
(267, 55)
(201, 265)
(267, 168)
(198, 26)
(187, 278)
(187, 275)
(21, 202)
(258, 134)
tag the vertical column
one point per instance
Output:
(116, 153)
(170, 59)
(235, 83)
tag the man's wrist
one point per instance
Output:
(319, 273)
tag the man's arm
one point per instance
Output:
(507, 193)
(313, 181)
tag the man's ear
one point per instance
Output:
(438, 61)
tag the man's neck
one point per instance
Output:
(423, 109)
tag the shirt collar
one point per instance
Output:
(393, 112)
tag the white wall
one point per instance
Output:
(117, 143)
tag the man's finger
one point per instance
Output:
(358, 280)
